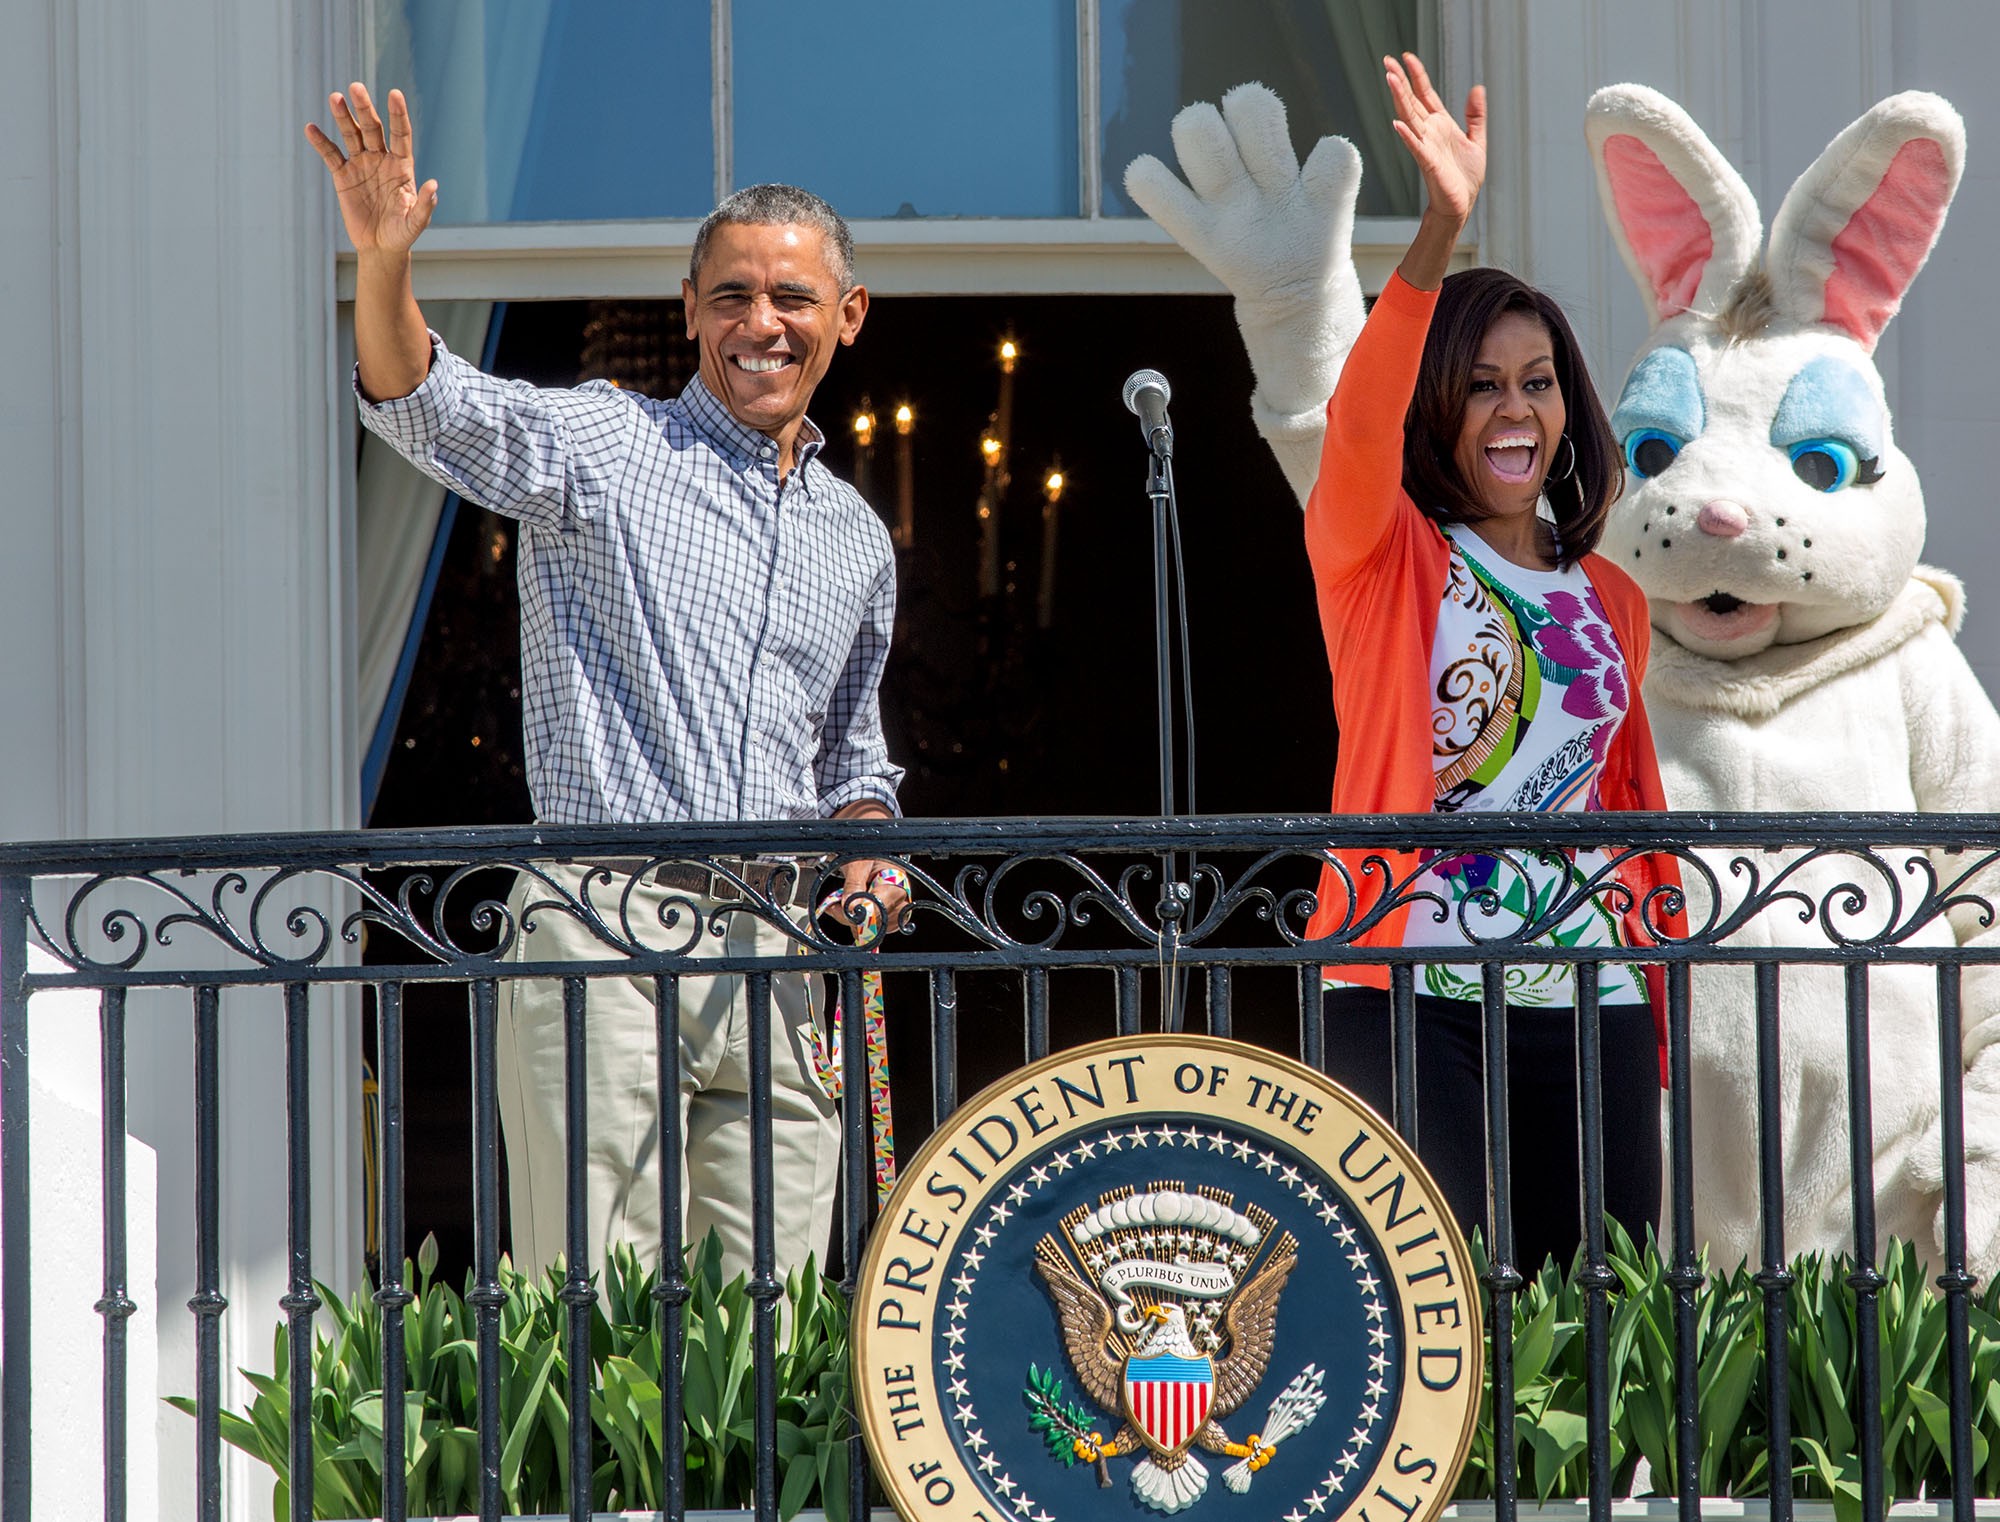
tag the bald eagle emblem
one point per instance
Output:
(1168, 1303)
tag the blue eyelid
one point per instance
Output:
(1846, 461)
(1663, 392)
(1640, 436)
(1829, 399)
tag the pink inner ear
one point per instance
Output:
(1886, 241)
(1668, 234)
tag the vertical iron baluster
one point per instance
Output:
(1219, 1018)
(1035, 998)
(577, 1293)
(1596, 1278)
(1128, 1001)
(1174, 902)
(208, 1302)
(1775, 1277)
(115, 1306)
(1955, 1281)
(858, 1159)
(764, 1286)
(394, 1293)
(300, 1300)
(670, 1290)
(1403, 1047)
(944, 1045)
(1312, 1019)
(1865, 1280)
(486, 1296)
(1684, 1276)
(1501, 1277)
(16, 1303)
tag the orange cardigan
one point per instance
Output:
(1379, 569)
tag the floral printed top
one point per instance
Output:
(1528, 688)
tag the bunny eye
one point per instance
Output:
(1650, 450)
(1825, 464)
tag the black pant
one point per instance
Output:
(1542, 1110)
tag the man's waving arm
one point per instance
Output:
(544, 457)
(385, 211)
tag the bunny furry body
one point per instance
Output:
(1823, 677)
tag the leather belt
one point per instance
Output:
(766, 877)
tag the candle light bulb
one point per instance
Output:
(905, 419)
(1009, 352)
(990, 447)
(1052, 487)
(864, 429)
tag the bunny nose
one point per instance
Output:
(1722, 518)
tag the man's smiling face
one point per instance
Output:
(767, 315)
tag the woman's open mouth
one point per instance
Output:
(1512, 456)
(1723, 617)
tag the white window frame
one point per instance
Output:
(1089, 254)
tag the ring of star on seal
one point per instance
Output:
(1137, 1263)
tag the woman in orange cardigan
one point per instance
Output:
(1483, 659)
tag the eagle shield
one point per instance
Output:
(1167, 1398)
(1168, 1300)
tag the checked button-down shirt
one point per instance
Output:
(699, 640)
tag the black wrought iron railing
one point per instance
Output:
(1084, 927)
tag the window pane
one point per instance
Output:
(540, 110)
(910, 107)
(1323, 57)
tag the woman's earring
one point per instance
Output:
(1570, 469)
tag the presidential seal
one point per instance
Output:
(1141, 1261)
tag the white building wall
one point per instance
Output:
(1771, 82)
(67, 1209)
(171, 588)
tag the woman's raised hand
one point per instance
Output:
(384, 208)
(1451, 158)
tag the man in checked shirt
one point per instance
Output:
(706, 612)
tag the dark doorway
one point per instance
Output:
(991, 713)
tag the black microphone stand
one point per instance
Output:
(1175, 895)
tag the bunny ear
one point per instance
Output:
(1684, 220)
(1860, 223)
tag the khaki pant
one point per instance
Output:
(622, 1174)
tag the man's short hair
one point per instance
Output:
(780, 206)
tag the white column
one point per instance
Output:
(1946, 412)
(172, 597)
(66, 1226)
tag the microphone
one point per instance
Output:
(1146, 396)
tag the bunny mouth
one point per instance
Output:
(1722, 617)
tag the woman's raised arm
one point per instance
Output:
(1360, 480)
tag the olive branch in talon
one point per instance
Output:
(1063, 1424)
(1292, 1410)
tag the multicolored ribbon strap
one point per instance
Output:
(829, 1046)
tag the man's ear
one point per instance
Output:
(853, 308)
(687, 305)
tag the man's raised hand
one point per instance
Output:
(381, 203)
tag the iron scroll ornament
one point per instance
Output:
(300, 915)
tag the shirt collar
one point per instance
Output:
(745, 445)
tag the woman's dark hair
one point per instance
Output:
(1468, 306)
